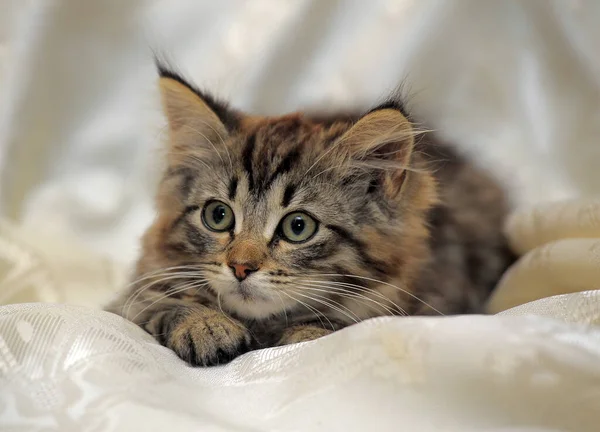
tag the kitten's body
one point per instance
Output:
(468, 249)
(387, 240)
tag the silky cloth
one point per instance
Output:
(71, 368)
(560, 247)
(80, 123)
(513, 83)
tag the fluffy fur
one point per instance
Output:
(404, 227)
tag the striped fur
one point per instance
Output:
(403, 228)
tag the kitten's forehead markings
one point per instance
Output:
(240, 201)
(238, 214)
(271, 225)
(239, 219)
(274, 211)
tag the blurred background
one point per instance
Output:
(515, 84)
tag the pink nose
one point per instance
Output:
(242, 270)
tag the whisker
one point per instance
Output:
(190, 157)
(328, 302)
(334, 146)
(193, 270)
(175, 285)
(164, 297)
(214, 130)
(354, 296)
(192, 286)
(209, 141)
(222, 142)
(225, 314)
(284, 308)
(158, 271)
(341, 285)
(314, 310)
(325, 153)
(328, 169)
(131, 300)
(171, 276)
(386, 284)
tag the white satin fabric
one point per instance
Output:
(68, 368)
(559, 244)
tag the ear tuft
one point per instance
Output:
(185, 109)
(393, 104)
(198, 123)
(382, 142)
(228, 117)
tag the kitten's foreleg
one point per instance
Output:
(198, 334)
(302, 333)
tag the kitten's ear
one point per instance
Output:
(195, 118)
(382, 142)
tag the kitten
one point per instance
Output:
(276, 230)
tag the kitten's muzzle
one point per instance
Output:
(242, 270)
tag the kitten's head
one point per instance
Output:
(275, 212)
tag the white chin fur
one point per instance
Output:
(256, 308)
(262, 302)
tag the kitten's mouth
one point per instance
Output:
(245, 292)
(251, 299)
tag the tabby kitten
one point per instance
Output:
(276, 230)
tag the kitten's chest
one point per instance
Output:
(266, 333)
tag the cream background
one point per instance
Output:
(515, 83)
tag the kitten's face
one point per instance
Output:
(268, 217)
(284, 214)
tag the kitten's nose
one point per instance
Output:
(242, 270)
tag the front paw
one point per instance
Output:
(299, 334)
(203, 337)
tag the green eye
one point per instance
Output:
(217, 216)
(298, 227)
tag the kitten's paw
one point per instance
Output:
(204, 337)
(299, 334)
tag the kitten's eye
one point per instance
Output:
(298, 227)
(217, 216)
